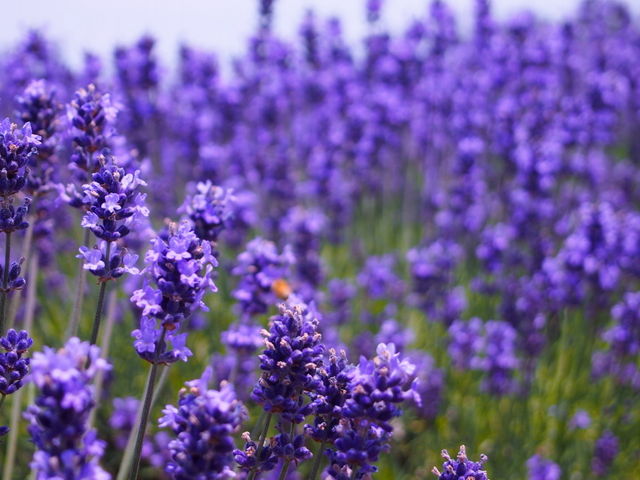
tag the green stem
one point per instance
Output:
(5, 281)
(317, 460)
(283, 472)
(74, 321)
(127, 458)
(148, 397)
(98, 382)
(103, 288)
(258, 425)
(16, 406)
(26, 253)
(263, 435)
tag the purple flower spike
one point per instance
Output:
(65, 447)
(13, 365)
(203, 424)
(263, 276)
(289, 362)
(17, 147)
(178, 275)
(541, 468)
(114, 203)
(605, 452)
(461, 467)
(210, 208)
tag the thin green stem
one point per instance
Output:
(5, 282)
(98, 382)
(127, 457)
(263, 435)
(256, 427)
(16, 406)
(142, 427)
(103, 288)
(146, 408)
(74, 321)
(14, 303)
(317, 460)
(283, 472)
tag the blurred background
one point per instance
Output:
(221, 25)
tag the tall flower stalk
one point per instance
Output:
(65, 446)
(290, 361)
(91, 115)
(17, 147)
(203, 424)
(179, 267)
(114, 205)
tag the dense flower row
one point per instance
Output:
(473, 193)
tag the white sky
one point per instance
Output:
(220, 25)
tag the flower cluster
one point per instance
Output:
(210, 208)
(18, 146)
(376, 389)
(65, 446)
(113, 202)
(540, 468)
(178, 275)
(432, 273)
(489, 347)
(14, 366)
(289, 362)
(263, 276)
(461, 467)
(604, 453)
(379, 279)
(203, 423)
(91, 116)
(38, 107)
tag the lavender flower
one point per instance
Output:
(38, 107)
(178, 275)
(13, 365)
(203, 423)
(210, 208)
(376, 388)
(624, 336)
(17, 149)
(65, 446)
(429, 386)
(541, 468)
(461, 467)
(465, 341)
(304, 232)
(329, 401)
(499, 358)
(432, 273)
(379, 279)
(251, 458)
(388, 379)
(263, 273)
(91, 116)
(113, 202)
(604, 453)
(119, 262)
(580, 420)
(293, 353)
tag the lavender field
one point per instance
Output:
(326, 259)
